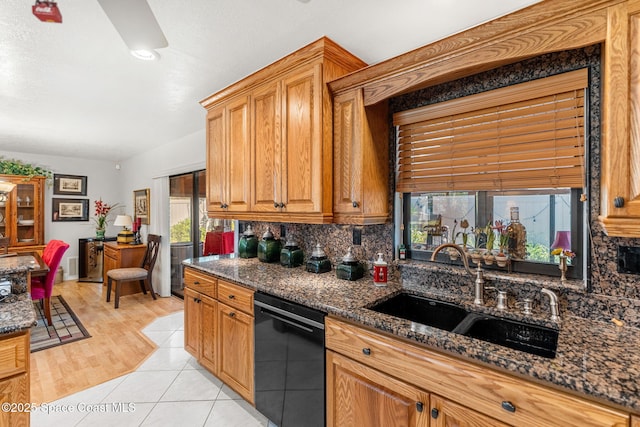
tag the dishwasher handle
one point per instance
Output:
(288, 317)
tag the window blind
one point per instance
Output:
(529, 135)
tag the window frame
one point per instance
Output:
(574, 271)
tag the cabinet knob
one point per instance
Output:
(196, 282)
(618, 202)
(419, 406)
(354, 204)
(508, 406)
(434, 413)
(232, 314)
(282, 205)
(276, 205)
(232, 296)
(366, 351)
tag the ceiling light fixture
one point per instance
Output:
(145, 55)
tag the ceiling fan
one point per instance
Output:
(136, 24)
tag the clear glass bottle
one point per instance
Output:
(517, 236)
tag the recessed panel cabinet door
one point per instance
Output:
(445, 413)
(238, 155)
(192, 322)
(361, 396)
(302, 156)
(266, 191)
(216, 164)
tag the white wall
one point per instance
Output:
(146, 170)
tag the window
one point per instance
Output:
(431, 219)
(514, 155)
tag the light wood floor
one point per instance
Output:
(116, 347)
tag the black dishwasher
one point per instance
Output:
(289, 362)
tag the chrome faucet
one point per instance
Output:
(479, 297)
(553, 303)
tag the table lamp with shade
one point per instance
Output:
(563, 242)
(126, 235)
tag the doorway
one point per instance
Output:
(187, 222)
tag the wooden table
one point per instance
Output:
(120, 255)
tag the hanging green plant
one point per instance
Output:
(18, 167)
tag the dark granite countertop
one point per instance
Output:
(597, 359)
(17, 316)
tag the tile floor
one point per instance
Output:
(168, 389)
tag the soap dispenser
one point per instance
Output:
(380, 268)
(269, 247)
(248, 244)
(318, 263)
(291, 255)
(349, 268)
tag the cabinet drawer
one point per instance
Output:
(476, 387)
(200, 282)
(235, 296)
(110, 252)
(13, 355)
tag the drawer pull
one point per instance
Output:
(232, 296)
(196, 282)
(232, 314)
(434, 413)
(618, 202)
(419, 406)
(366, 351)
(508, 406)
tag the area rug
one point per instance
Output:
(66, 327)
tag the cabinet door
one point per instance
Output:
(216, 164)
(266, 193)
(208, 334)
(22, 212)
(14, 390)
(361, 161)
(361, 396)
(238, 155)
(620, 193)
(302, 144)
(347, 157)
(235, 344)
(445, 413)
(192, 321)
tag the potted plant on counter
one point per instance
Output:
(503, 237)
(491, 238)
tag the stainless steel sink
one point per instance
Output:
(426, 311)
(522, 336)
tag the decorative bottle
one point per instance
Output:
(517, 236)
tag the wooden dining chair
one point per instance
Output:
(142, 274)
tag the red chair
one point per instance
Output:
(42, 287)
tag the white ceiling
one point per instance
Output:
(73, 89)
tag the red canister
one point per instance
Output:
(380, 269)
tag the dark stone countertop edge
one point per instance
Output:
(598, 360)
(17, 316)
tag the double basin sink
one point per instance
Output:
(532, 339)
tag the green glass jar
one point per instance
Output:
(318, 263)
(248, 244)
(291, 255)
(349, 268)
(269, 247)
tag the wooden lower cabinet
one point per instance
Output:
(445, 413)
(218, 329)
(200, 325)
(235, 334)
(368, 370)
(14, 379)
(360, 396)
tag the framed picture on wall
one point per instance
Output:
(70, 209)
(69, 185)
(141, 205)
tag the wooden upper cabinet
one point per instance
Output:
(620, 157)
(22, 213)
(289, 165)
(228, 157)
(361, 160)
